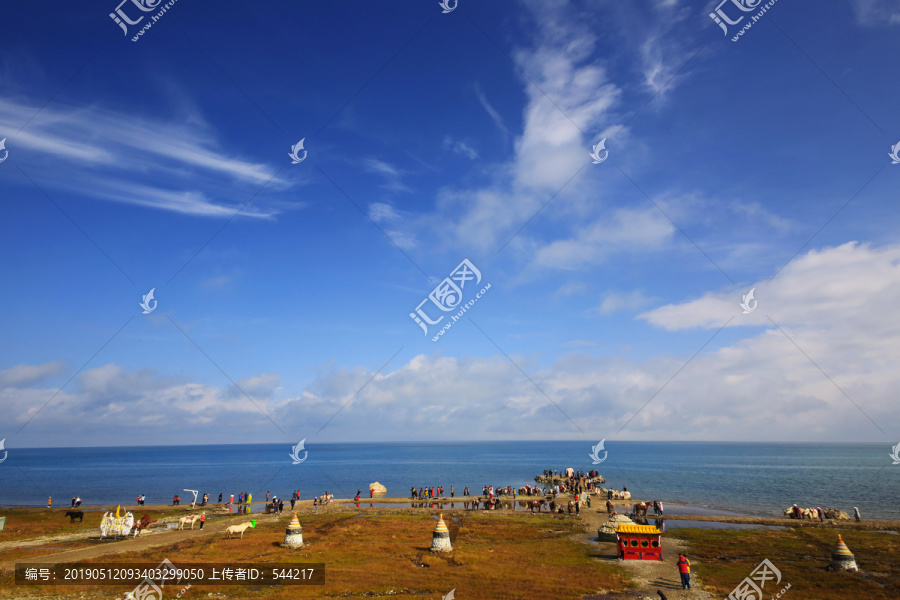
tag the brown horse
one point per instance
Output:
(640, 508)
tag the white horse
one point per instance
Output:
(235, 529)
(188, 519)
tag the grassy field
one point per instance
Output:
(386, 552)
(368, 555)
(724, 558)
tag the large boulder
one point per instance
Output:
(377, 488)
(836, 514)
(607, 532)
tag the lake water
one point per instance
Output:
(757, 479)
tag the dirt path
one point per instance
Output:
(649, 576)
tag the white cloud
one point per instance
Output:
(26, 375)
(391, 174)
(835, 304)
(127, 155)
(876, 13)
(491, 111)
(615, 301)
(460, 147)
(839, 285)
(625, 231)
(394, 224)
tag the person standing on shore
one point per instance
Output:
(73, 501)
(821, 514)
(856, 514)
(280, 506)
(50, 503)
(202, 519)
(452, 493)
(77, 501)
(292, 503)
(684, 568)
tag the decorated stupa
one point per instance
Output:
(841, 557)
(440, 539)
(293, 535)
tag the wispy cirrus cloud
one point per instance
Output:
(392, 175)
(128, 157)
(491, 111)
(460, 147)
(877, 13)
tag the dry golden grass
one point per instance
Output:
(494, 557)
(725, 558)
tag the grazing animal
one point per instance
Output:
(75, 514)
(640, 508)
(188, 519)
(235, 529)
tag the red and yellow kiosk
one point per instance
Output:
(638, 542)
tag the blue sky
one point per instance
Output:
(613, 310)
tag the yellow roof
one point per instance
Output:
(631, 528)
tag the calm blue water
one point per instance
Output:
(757, 479)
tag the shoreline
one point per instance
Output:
(306, 506)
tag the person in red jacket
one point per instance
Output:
(202, 519)
(684, 567)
